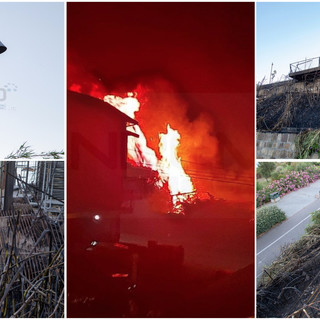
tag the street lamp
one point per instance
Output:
(3, 48)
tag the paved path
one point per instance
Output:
(297, 205)
(297, 200)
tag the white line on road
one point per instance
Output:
(283, 235)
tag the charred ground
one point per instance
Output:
(298, 110)
(291, 286)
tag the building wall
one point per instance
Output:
(96, 166)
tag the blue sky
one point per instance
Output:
(32, 76)
(285, 33)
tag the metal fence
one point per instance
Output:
(31, 265)
(304, 64)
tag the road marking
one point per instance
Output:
(271, 244)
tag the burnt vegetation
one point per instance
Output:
(290, 108)
(31, 279)
(290, 287)
(31, 240)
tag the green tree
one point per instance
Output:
(265, 169)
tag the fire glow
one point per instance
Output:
(169, 166)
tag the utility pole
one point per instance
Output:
(271, 72)
(3, 48)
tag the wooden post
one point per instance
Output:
(8, 192)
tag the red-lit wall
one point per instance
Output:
(96, 163)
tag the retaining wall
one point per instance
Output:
(272, 145)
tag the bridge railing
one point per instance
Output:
(304, 64)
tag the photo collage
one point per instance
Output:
(159, 160)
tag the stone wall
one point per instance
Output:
(272, 145)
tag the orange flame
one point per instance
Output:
(138, 151)
(169, 167)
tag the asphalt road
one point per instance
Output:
(297, 206)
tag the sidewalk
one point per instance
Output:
(297, 205)
(297, 200)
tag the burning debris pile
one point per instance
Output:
(291, 286)
(169, 168)
(165, 141)
(289, 109)
(32, 265)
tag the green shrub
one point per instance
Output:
(307, 143)
(277, 175)
(265, 169)
(259, 186)
(314, 226)
(303, 166)
(281, 167)
(315, 217)
(288, 168)
(267, 217)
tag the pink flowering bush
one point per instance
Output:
(291, 182)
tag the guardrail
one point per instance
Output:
(304, 64)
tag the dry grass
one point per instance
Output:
(306, 140)
(290, 108)
(290, 287)
(32, 267)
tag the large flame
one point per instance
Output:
(138, 151)
(171, 170)
(169, 167)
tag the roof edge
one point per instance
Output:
(102, 103)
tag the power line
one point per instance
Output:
(195, 170)
(225, 181)
(212, 178)
(200, 175)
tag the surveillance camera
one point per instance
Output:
(3, 48)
